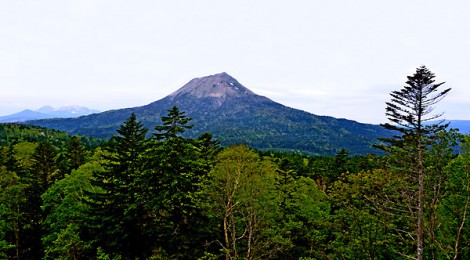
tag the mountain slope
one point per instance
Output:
(219, 104)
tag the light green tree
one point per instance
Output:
(8, 212)
(66, 223)
(241, 194)
(453, 233)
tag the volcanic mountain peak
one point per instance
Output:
(219, 85)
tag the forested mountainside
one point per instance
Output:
(13, 133)
(219, 104)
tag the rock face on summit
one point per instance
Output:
(220, 105)
(214, 97)
(219, 85)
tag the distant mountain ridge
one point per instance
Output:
(462, 125)
(47, 112)
(219, 104)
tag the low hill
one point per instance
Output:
(219, 104)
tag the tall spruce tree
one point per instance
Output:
(42, 175)
(73, 157)
(118, 209)
(179, 164)
(410, 112)
(174, 125)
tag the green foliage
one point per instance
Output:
(66, 222)
(240, 195)
(118, 204)
(174, 124)
(18, 133)
(73, 156)
(361, 229)
(453, 237)
(10, 195)
(179, 164)
(263, 211)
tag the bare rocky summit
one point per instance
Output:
(219, 85)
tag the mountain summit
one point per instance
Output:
(220, 105)
(218, 86)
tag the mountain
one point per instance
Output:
(219, 104)
(67, 111)
(24, 115)
(47, 112)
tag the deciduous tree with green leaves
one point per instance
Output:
(240, 193)
(66, 226)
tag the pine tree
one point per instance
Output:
(179, 165)
(410, 111)
(118, 210)
(42, 176)
(174, 124)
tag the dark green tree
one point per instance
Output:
(410, 111)
(179, 164)
(175, 123)
(208, 149)
(44, 166)
(11, 199)
(74, 155)
(42, 175)
(117, 208)
(11, 162)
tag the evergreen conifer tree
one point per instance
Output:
(179, 165)
(117, 210)
(42, 176)
(410, 112)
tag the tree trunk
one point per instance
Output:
(420, 228)
(464, 219)
(227, 242)
(420, 231)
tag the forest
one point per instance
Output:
(166, 196)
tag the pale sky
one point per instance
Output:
(334, 58)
